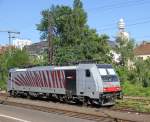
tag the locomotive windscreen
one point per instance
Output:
(107, 73)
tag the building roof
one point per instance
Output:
(3, 49)
(37, 48)
(112, 43)
(143, 49)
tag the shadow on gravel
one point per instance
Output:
(54, 100)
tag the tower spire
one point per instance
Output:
(121, 27)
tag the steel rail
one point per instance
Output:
(69, 113)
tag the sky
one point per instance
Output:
(103, 15)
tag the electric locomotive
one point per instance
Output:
(88, 83)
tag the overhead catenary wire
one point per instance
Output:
(128, 25)
(135, 19)
(127, 3)
(9, 34)
(105, 8)
(118, 4)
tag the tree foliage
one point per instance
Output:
(73, 40)
(132, 69)
(11, 59)
(140, 74)
(125, 47)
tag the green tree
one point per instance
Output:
(73, 40)
(11, 59)
(17, 58)
(141, 72)
(125, 47)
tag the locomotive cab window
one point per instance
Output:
(10, 75)
(87, 73)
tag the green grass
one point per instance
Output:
(142, 105)
(137, 105)
(135, 90)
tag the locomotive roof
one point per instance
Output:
(56, 67)
(104, 65)
(43, 68)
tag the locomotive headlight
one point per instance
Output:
(104, 89)
(118, 88)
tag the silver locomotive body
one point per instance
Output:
(86, 83)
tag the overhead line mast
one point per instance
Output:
(49, 39)
(9, 34)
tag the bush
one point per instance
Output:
(135, 89)
(2, 85)
(9, 59)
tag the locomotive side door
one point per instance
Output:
(85, 81)
(9, 82)
(70, 82)
(80, 81)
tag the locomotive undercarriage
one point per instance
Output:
(109, 98)
(105, 99)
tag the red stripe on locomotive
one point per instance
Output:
(111, 89)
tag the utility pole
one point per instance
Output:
(9, 34)
(49, 39)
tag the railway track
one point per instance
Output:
(137, 98)
(125, 109)
(61, 111)
(75, 114)
(124, 97)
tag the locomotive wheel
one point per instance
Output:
(86, 101)
(28, 97)
(13, 93)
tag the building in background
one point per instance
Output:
(143, 50)
(20, 43)
(122, 32)
(37, 49)
(5, 48)
(124, 35)
(115, 55)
